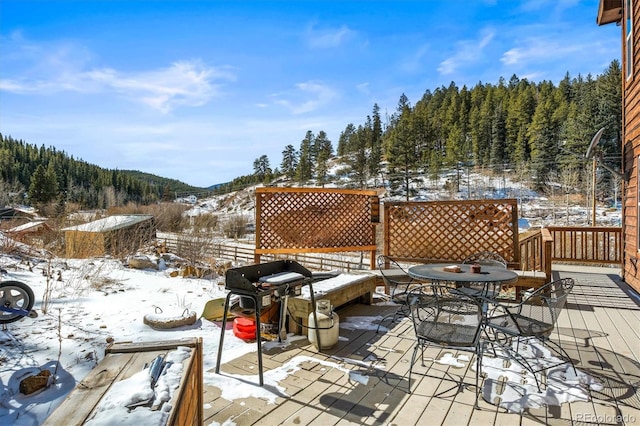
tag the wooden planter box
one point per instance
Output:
(121, 361)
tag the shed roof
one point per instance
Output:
(111, 223)
(29, 226)
(11, 212)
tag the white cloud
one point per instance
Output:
(187, 83)
(50, 68)
(310, 96)
(333, 37)
(414, 63)
(467, 52)
(364, 88)
(538, 49)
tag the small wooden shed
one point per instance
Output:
(29, 231)
(113, 235)
(11, 217)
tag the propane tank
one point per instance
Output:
(328, 325)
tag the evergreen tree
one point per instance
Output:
(357, 158)
(44, 187)
(375, 144)
(166, 193)
(304, 171)
(402, 150)
(289, 161)
(324, 151)
(262, 169)
(499, 157)
(343, 141)
(543, 134)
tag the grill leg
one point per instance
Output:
(224, 327)
(258, 335)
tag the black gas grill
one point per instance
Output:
(261, 285)
(267, 282)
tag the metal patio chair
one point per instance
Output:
(398, 281)
(535, 316)
(448, 320)
(485, 258)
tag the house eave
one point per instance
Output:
(609, 11)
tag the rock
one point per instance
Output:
(160, 321)
(195, 271)
(142, 262)
(33, 384)
(221, 268)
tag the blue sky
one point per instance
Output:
(197, 90)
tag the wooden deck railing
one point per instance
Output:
(537, 249)
(571, 244)
(596, 245)
(191, 248)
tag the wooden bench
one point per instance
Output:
(338, 290)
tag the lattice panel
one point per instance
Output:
(295, 218)
(451, 230)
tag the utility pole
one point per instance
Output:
(593, 198)
(591, 154)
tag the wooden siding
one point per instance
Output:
(80, 244)
(609, 11)
(631, 151)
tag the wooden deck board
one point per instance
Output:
(434, 413)
(591, 359)
(382, 399)
(339, 401)
(487, 415)
(602, 338)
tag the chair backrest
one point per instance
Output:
(392, 273)
(487, 258)
(386, 262)
(546, 303)
(445, 318)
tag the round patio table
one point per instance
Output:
(486, 283)
(488, 275)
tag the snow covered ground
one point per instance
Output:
(101, 300)
(534, 209)
(85, 304)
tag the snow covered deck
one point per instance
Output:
(363, 379)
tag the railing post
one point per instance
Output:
(547, 246)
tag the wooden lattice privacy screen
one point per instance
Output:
(449, 231)
(305, 220)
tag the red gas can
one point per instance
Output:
(244, 328)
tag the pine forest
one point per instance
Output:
(534, 131)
